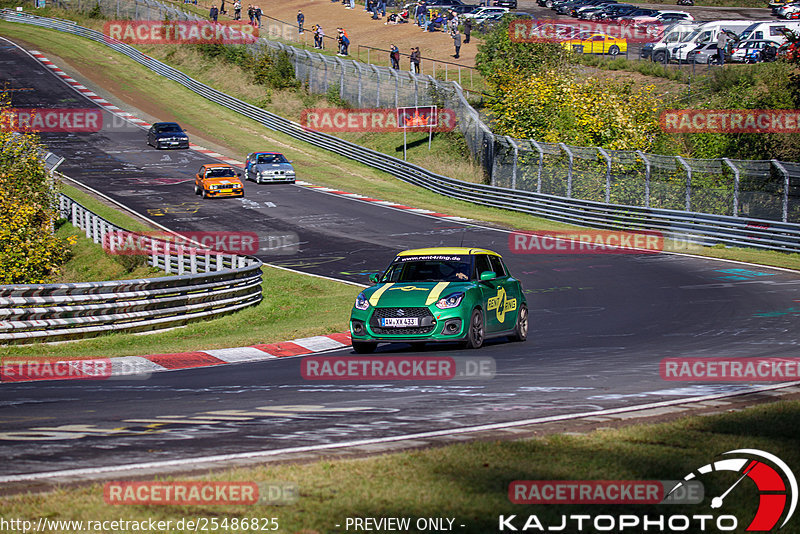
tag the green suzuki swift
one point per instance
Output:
(440, 294)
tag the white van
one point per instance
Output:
(677, 33)
(769, 31)
(706, 33)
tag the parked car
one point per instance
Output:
(790, 12)
(268, 167)
(218, 180)
(505, 3)
(167, 135)
(597, 43)
(745, 48)
(483, 12)
(706, 54)
(455, 294)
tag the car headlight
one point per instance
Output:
(361, 302)
(450, 301)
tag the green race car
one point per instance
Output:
(440, 294)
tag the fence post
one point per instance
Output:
(735, 171)
(396, 89)
(538, 148)
(569, 169)
(325, 76)
(516, 159)
(378, 84)
(646, 178)
(782, 169)
(608, 174)
(416, 91)
(358, 68)
(688, 182)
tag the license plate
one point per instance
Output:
(400, 321)
(226, 190)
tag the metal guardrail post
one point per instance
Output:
(569, 169)
(416, 90)
(378, 85)
(396, 89)
(541, 162)
(646, 178)
(516, 159)
(608, 174)
(735, 171)
(358, 68)
(688, 182)
(782, 169)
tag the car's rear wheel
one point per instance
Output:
(521, 329)
(660, 57)
(475, 332)
(613, 50)
(364, 347)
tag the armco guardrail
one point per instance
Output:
(730, 230)
(214, 284)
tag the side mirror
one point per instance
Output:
(487, 275)
(374, 278)
(239, 174)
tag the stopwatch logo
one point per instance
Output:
(777, 485)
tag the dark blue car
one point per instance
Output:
(167, 135)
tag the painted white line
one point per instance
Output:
(240, 354)
(318, 343)
(311, 448)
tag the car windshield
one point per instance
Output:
(226, 172)
(168, 128)
(451, 269)
(271, 158)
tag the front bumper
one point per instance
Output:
(433, 324)
(234, 193)
(275, 178)
(161, 143)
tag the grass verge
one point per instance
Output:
(469, 482)
(136, 85)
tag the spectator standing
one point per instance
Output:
(300, 20)
(467, 29)
(319, 37)
(449, 21)
(722, 42)
(251, 14)
(416, 60)
(394, 57)
(382, 7)
(237, 10)
(222, 8)
(345, 42)
(213, 13)
(457, 43)
(258, 15)
(352, 5)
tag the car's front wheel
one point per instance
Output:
(475, 332)
(196, 189)
(364, 347)
(204, 194)
(521, 329)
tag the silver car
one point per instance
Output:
(266, 167)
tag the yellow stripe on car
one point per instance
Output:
(433, 296)
(377, 295)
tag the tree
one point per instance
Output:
(29, 250)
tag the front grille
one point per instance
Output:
(426, 321)
(402, 331)
(407, 312)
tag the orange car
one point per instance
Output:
(218, 180)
